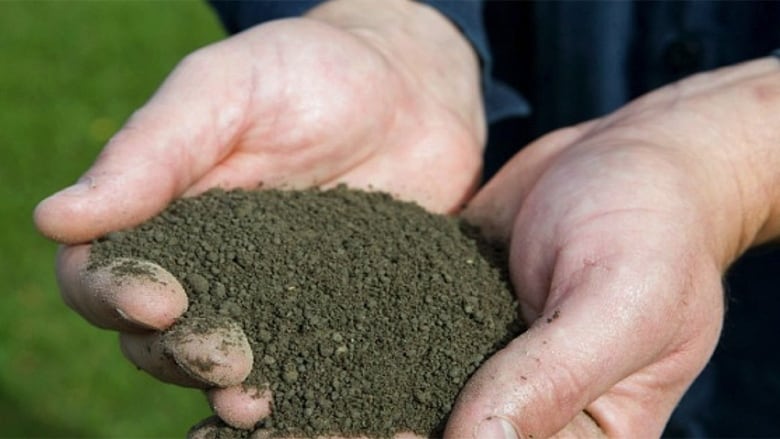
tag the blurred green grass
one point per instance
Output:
(70, 74)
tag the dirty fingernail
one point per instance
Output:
(142, 293)
(220, 356)
(495, 428)
(129, 319)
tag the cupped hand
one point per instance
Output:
(620, 230)
(341, 96)
(292, 103)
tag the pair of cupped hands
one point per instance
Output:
(620, 227)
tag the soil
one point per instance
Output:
(365, 315)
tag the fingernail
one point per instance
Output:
(205, 356)
(126, 317)
(495, 427)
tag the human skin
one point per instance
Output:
(388, 100)
(619, 229)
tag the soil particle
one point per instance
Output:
(198, 283)
(365, 315)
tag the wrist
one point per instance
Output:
(765, 157)
(422, 45)
(742, 125)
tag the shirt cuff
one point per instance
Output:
(500, 100)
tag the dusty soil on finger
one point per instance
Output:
(365, 315)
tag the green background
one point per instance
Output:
(70, 74)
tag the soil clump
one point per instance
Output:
(366, 315)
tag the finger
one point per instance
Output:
(126, 295)
(241, 406)
(494, 207)
(601, 325)
(148, 353)
(214, 427)
(208, 428)
(582, 426)
(203, 357)
(214, 351)
(187, 127)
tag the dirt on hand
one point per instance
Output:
(365, 315)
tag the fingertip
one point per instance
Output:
(215, 352)
(133, 294)
(148, 353)
(163, 298)
(214, 427)
(58, 217)
(535, 386)
(206, 429)
(125, 294)
(113, 199)
(494, 402)
(241, 406)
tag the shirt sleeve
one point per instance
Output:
(239, 15)
(500, 100)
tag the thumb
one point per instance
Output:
(185, 129)
(533, 388)
(606, 341)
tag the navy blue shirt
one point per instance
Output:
(550, 64)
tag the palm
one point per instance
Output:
(318, 105)
(293, 103)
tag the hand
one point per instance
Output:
(382, 96)
(620, 231)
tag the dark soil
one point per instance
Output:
(365, 315)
